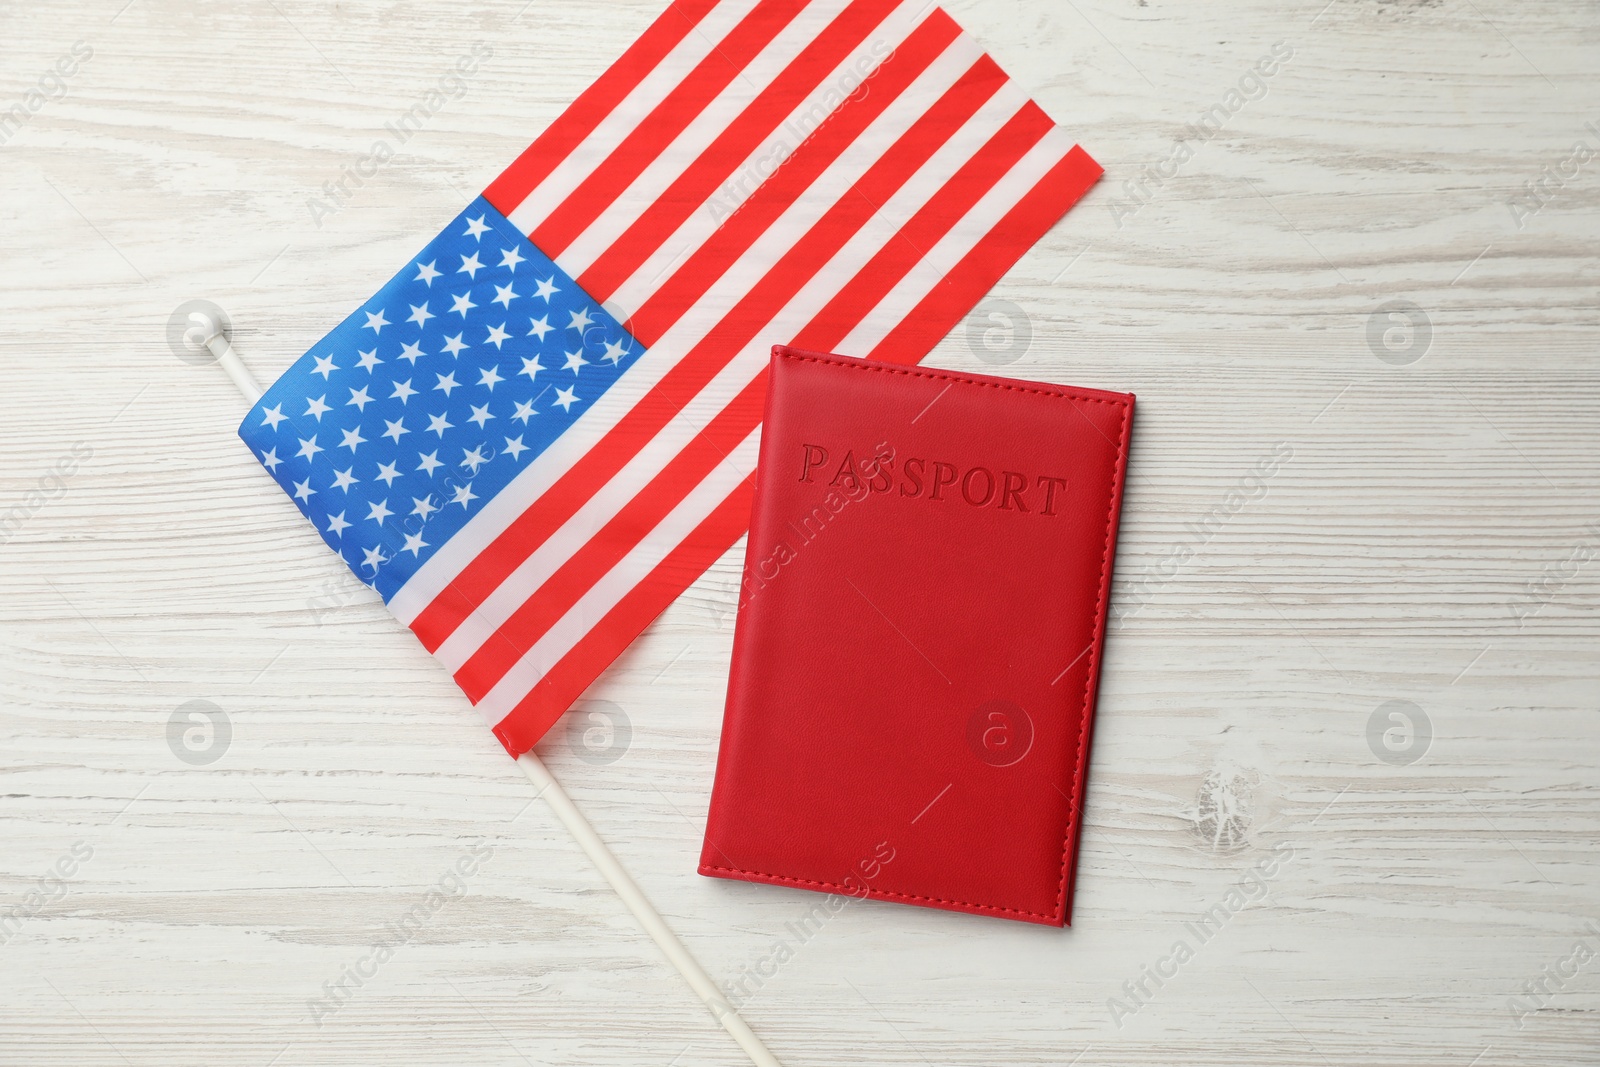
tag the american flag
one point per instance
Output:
(543, 429)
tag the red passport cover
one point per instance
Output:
(919, 636)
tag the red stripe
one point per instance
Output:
(598, 101)
(980, 268)
(612, 542)
(685, 380)
(699, 181)
(818, 152)
(935, 219)
(647, 140)
(533, 716)
(545, 607)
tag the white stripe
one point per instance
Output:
(697, 136)
(829, 92)
(674, 67)
(617, 583)
(441, 569)
(810, 299)
(963, 236)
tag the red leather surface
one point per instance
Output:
(913, 675)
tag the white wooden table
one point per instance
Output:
(1426, 535)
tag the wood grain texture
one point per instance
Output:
(1428, 539)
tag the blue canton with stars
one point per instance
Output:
(416, 410)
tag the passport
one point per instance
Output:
(919, 636)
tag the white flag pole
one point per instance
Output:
(649, 919)
(217, 341)
(582, 832)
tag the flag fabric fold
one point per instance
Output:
(542, 430)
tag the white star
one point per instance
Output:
(430, 462)
(447, 382)
(476, 228)
(516, 447)
(303, 490)
(359, 398)
(317, 407)
(414, 544)
(479, 415)
(411, 352)
(462, 303)
(470, 266)
(574, 361)
(547, 288)
(270, 460)
(403, 392)
(368, 360)
(337, 525)
(374, 558)
(490, 376)
(420, 313)
(308, 448)
(454, 346)
(439, 424)
(615, 350)
(524, 412)
(464, 495)
(565, 398)
(352, 438)
(379, 511)
(497, 336)
(387, 474)
(344, 479)
(424, 506)
(273, 415)
(395, 429)
(540, 327)
(510, 257)
(426, 273)
(474, 459)
(580, 320)
(531, 367)
(377, 322)
(503, 295)
(324, 367)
